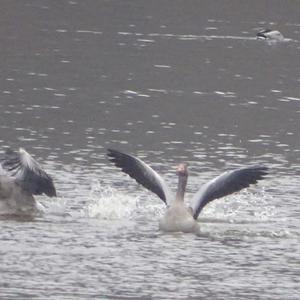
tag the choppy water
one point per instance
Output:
(169, 81)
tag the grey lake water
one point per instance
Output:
(169, 81)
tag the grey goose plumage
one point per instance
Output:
(179, 217)
(21, 177)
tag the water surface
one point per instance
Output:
(168, 81)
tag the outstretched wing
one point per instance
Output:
(27, 172)
(226, 184)
(141, 172)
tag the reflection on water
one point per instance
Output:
(171, 83)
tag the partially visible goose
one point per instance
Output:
(268, 34)
(178, 217)
(21, 177)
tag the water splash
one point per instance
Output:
(245, 207)
(57, 207)
(108, 204)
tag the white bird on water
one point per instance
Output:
(270, 35)
(21, 177)
(178, 217)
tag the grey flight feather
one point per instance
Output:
(27, 173)
(141, 172)
(225, 184)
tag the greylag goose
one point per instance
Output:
(268, 34)
(178, 217)
(21, 177)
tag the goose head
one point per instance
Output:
(182, 170)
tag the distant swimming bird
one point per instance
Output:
(21, 177)
(178, 217)
(268, 34)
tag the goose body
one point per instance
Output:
(21, 177)
(178, 217)
(271, 35)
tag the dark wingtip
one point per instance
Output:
(258, 173)
(261, 35)
(109, 151)
(51, 191)
(120, 160)
(114, 155)
(262, 170)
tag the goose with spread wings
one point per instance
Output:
(21, 177)
(178, 217)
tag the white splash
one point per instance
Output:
(107, 203)
(245, 207)
(55, 206)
